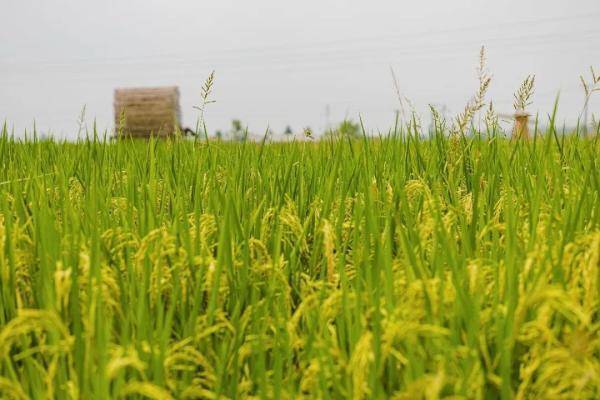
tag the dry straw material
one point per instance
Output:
(142, 112)
(521, 128)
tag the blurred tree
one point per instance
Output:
(238, 133)
(346, 129)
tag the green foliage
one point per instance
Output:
(238, 133)
(346, 129)
(364, 269)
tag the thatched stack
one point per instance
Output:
(142, 112)
(521, 128)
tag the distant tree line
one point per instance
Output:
(239, 132)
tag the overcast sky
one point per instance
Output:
(281, 62)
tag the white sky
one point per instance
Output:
(281, 62)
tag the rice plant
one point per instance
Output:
(361, 269)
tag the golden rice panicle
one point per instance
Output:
(401, 266)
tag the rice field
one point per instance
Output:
(400, 267)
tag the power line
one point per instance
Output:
(433, 51)
(353, 41)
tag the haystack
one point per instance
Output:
(521, 128)
(145, 112)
